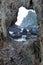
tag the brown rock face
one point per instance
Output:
(11, 10)
(1, 62)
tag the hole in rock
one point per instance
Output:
(26, 26)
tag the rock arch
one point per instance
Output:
(14, 5)
(11, 7)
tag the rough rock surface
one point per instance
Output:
(11, 10)
(20, 53)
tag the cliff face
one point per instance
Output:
(10, 10)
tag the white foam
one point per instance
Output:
(22, 14)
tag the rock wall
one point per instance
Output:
(21, 53)
(11, 11)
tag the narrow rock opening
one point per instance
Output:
(26, 25)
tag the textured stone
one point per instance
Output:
(19, 53)
(11, 10)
